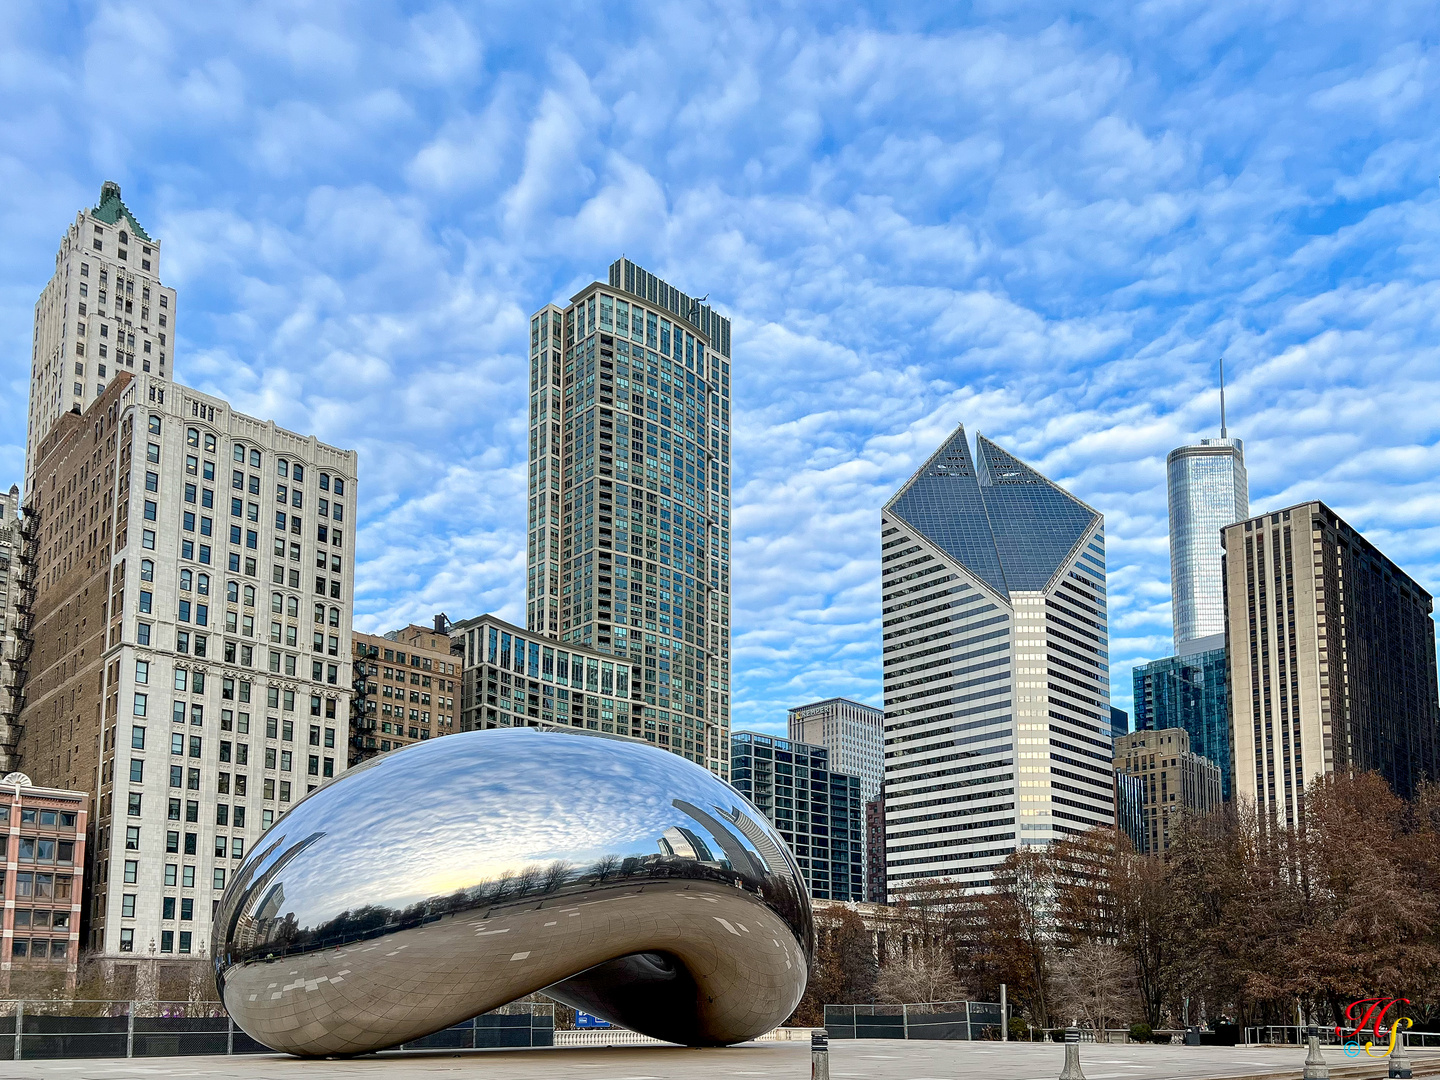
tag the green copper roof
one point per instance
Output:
(110, 209)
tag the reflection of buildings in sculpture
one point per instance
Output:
(684, 844)
(251, 929)
(729, 937)
(741, 859)
(776, 859)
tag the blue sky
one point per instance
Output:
(1044, 222)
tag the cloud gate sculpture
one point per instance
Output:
(457, 875)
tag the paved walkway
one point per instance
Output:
(853, 1060)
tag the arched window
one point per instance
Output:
(147, 570)
(292, 607)
(339, 486)
(320, 613)
(282, 466)
(324, 481)
(255, 459)
(209, 442)
(249, 595)
(240, 453)
(185, 577)
(202, 584)
(276, 600)
(334, 616)
(297, 473)
(232, 591)
(192, 436)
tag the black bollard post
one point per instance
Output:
(1072, 1056)
(819, 1054)
(1315, 1067)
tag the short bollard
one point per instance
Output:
(1072, 1056)
(819, 1054)
(1399, 1061)
(1315, 1067)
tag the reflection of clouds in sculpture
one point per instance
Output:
(460, 845)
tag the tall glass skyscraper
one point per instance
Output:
(997, 679)
(1208, 490)
(629, 511)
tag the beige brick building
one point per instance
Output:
(406, 684)
(1173, 780)
(1331, 652)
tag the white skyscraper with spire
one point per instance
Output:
(1208, 490)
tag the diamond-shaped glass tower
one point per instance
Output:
(997, 698)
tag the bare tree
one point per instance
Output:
(925, 980)
(1095, 983)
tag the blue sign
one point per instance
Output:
(585, 1020)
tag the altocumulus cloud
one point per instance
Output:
(1046, 227)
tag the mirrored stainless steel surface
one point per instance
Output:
(449, 878)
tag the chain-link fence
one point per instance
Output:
(116, 1029)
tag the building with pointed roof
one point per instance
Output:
(103, 311)
(997, 699)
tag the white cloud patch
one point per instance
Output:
(1047, 229)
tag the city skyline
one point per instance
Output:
(377, 307)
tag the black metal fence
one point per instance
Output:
(934, 1020)
(114, 1029)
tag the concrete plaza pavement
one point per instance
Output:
(849, 1060)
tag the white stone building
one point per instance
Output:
(215, 556)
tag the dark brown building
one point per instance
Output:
(875, 880)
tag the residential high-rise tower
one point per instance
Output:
(103, 311)
(997, 685)
(629, 496)
(1332, 660)
(815, 806)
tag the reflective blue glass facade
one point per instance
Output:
(1208, 490)
(1188, 692)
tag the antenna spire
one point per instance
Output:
(1222, 397)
